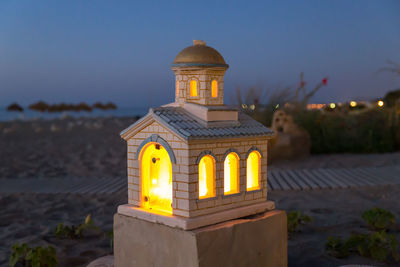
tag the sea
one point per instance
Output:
(28, 114)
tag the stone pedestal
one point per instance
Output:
(257, 240)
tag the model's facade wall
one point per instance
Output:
(218, 148)
(185, 173)
(204, 78)
(179, 169)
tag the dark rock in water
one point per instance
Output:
(42, 107)
(83, 107)
(111, 105)
(15, 107)
(102, 106)
(39, 106)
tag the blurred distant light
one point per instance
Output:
(381, 103)
(252, 107)
(353, 104)
(244, 106)
(316, 106)
(332, 105)
(277, 106)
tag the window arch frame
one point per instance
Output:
(260, 156)
(237, 156)
(209, 154)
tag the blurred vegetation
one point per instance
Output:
(23, 255)
(378, 245)
(392, 98)
(75, 232)
(42, 106)
(295, 219)
(379, 219)
(372, 131)
(364, 128)
(15, 107)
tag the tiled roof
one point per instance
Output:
(185, 125)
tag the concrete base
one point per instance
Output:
(258, 240)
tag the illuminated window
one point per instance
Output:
(193, 88)
(156, 178)
(177, 88)
(206, 177)
(214, 88)
(253, 171)
(231, 174)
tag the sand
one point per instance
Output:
(336, 213)
(32, 218)
(92, 148)
(89, 148)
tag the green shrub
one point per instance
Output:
(295, 219)
(74, 232)
(34, 257)
(392, 97)
(372, 131)
(340, 131)
(379, 219)
(376, 245)
(336, 247)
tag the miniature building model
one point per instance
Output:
(196, 162)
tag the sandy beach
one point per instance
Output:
(92, 148)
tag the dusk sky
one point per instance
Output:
(121, 51)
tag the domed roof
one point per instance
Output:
(199, 55)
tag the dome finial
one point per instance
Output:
(199, 42)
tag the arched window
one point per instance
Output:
(193, 88)
(253, 171)
(214, 88)
(177, 88)
(156, 178)
(231, 174)
(206, 177)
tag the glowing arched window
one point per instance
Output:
(156, 178)
(177, 88)
(193, 88)
(253, 171)
(214, 88)
(231, 174)
(206, 177)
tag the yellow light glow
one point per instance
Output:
(193, 88)
(381, 103)
(156, 178)
(253, 171)
(214, 88)
(231, 174)
(206, 177)
(332, 105)
(353, 104)
(177, 88)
